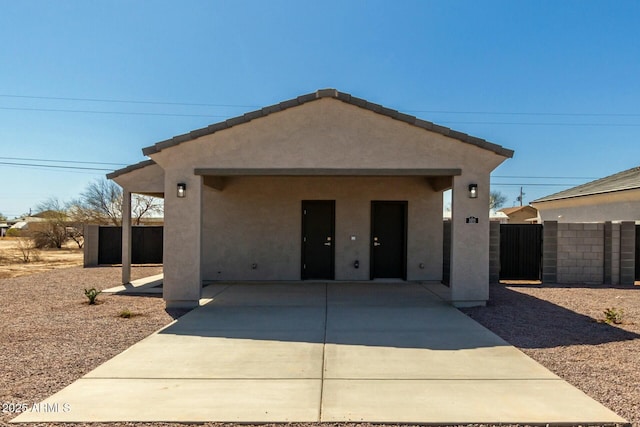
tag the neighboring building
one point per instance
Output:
(521, 214)
(325, 186)
(613, 198)
(27, 224)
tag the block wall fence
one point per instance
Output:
(582, 253)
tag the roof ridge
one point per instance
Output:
(335, 94)
(609, 179)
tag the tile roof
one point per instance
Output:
(513, 209)
(140, 165)
(328, 93)
(625, 180)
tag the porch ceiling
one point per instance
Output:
(438, 179)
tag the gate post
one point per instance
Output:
(627, 252)
(494, 252)
(550, 252)
(126, 236)
(91, 245)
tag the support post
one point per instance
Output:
(470, 241)
(126, 236)
(182, 285)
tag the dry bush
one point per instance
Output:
(27, 249)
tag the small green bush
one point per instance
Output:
(613, 315)
(126, 314)
(92, 294)
(13, 232)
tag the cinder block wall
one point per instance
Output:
(627, 252)
(581, 253)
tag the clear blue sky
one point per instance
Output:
(557, 81)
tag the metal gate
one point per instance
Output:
(520, 251)
(637, 252)
(146, 245)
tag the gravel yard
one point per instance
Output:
(50, 336)
(558, 326)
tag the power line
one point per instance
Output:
(146, 113)
(541, 124)
(511, 113)
(196, 104)
(54, 166)
(123, 101)
(62, 161)
(535, 185)
(57, 110)
(542, 177)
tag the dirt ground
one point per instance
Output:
(13, 253)
(46, 314)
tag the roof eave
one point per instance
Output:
(130, 168)
(341, 96)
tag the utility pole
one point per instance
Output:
(520, 197)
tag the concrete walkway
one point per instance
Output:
(323, 352)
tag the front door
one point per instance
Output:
(318, 235)
(389, 240)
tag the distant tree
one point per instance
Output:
(2, 217)
(101, 203)
(52, 232)
(496, 200)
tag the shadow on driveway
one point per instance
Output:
(403, 315)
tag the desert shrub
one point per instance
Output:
(52, 235)
(27, 249)
(13, 232)
(92, 294)
(613, 315)
(126, 314)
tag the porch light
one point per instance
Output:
(473, 191)
(182, 190)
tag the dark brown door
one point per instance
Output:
(318, 239)
(389, 240)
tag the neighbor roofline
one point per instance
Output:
(575, 196)
(328, 93)
(130, 168)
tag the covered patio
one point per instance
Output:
(325, 186)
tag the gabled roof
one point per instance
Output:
(140, 165)
(509, 211)
(328, 93)
(625, 180)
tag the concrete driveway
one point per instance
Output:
(378, 352)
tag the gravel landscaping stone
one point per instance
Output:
(51, 337)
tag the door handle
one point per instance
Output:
(327, 243)
(376, 244)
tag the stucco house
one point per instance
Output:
(612, 198)
(325, 186)
(521, 214)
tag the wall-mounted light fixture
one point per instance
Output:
(473, 191)
(182, 190)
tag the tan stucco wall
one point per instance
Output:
(326, 134)
(521, 216)
(322, 134)
(616, 206)
(259, 220)
(147, 180)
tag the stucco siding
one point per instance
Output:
(257, 220)
(616, 206)
(326, 134)
(147, 180)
